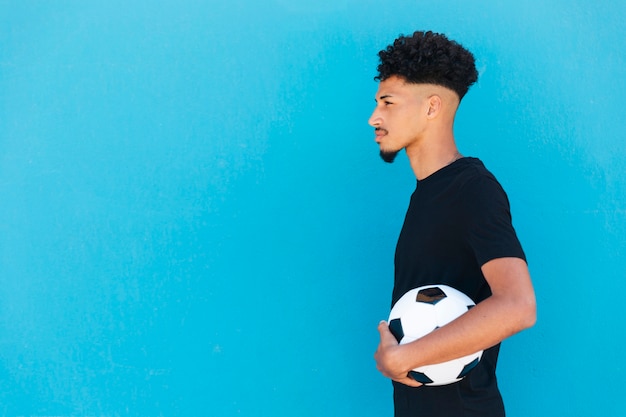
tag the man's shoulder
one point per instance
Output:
(474, 174)
(473, 167)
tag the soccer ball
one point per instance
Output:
(419, 312)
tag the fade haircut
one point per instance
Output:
(429, 58)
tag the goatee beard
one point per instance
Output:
(388, 156)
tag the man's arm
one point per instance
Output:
(510, 309)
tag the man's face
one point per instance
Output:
(399, 116)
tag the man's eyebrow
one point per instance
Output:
(382, 97)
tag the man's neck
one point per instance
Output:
(432, 155)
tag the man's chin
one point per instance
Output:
(388, 156)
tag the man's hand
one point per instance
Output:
(388, 357)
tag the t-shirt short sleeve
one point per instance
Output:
(490, 230)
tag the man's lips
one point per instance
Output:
(379, 132)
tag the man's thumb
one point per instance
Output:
(383, 327)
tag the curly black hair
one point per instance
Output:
(429, 58)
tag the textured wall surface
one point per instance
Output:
(194, 219)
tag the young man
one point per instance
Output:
(457, 231)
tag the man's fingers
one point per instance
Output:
(409, 381)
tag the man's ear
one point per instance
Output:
(434, 106)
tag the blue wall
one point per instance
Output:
(194, 219)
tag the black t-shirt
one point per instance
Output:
(458, 219)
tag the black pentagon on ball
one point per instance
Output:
(467, 368)
(420, 377)
(395, 327)
(430, 295)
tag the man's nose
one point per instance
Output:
(374, 119)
